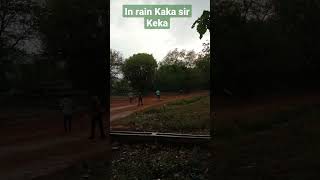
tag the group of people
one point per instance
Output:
(67, 106)
(131, 98)
(140, 96)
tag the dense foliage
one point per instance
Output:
(139, 70)
(179, 70)
(19, 20)
(264, 46)
(184, 70)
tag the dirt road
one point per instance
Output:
(33, 142)
(38, 145)
(120, 106)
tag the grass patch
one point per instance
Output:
(182, 116)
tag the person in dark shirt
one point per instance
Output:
(67, 108)
(96, 117)
(140, 103)
(130, 94)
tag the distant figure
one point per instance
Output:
(158, 94)
(130, 94)
(140, 103)
(96, 117)
(67, 108)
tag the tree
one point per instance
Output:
(172, 77)
(76, 31)
(175, 70)
(18, 23)
(262, 46)
(118, 84)
(202, 66)
(299, 22)
(180, 57)
(203, 23)
(116, 61)
(183, 69)
(120, 87)
(140, 70)
(174, 57)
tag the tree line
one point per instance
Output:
(179, 70)
(73, 31)
(259, 46)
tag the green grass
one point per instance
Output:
(182, 116)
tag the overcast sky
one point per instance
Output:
(129, 36)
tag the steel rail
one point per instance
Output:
(156, 137)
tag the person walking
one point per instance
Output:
(67, 108)
(130, 94)
(158, 94)
(96, 118)
(140, 103)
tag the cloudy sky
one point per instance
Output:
(129, 36)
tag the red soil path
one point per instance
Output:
(33, 142)
(120, 107)
(35, 146)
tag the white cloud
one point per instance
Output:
(129, 36)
